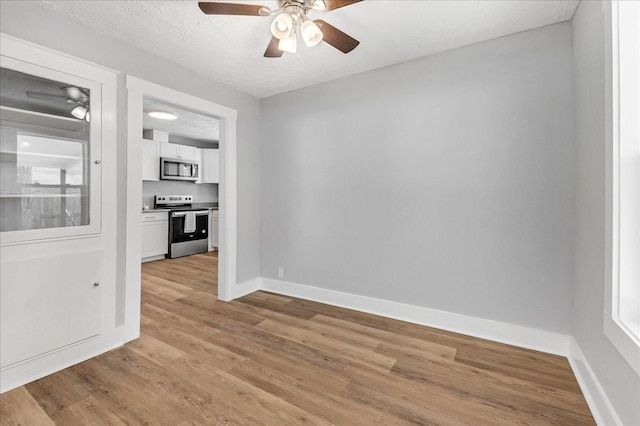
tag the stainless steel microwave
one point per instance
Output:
(176, 169)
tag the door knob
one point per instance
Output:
(96, 284)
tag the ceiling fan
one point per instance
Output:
(291, 21)
(76, 96)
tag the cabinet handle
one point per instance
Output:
(97, 161)
(96, 284)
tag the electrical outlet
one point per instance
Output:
(280, 272)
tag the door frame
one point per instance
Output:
(137, 89)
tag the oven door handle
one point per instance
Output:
(198, 213)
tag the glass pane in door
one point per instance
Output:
(44, 153)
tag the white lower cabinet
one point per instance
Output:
(155, 235)
(48, 303)
(214, 232)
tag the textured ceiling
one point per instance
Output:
(188, 126)
(229, 49)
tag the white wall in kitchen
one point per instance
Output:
(445, 182)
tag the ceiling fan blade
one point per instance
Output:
(47, 97)
(272, 49)
(217, 8)
(336, 38)
(336, 4)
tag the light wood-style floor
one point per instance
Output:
(268, 359)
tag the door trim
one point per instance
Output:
(137, 89)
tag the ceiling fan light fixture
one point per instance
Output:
(289, 44)
(162, 115)
(73, 92)
(311, 33)
(319, 5)
(79, 112)
(282, 26)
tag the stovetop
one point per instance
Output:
(181, 203)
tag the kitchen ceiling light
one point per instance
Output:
(282, 26)
(162, 115)
(289, 44)
(79, 112)
(311, 34)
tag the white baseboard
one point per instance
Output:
(36, 368)
(599, 404)
(525, 337)
(152, 258)
(246, 287)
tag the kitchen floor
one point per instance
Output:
(274, 360)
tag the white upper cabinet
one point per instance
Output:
(182, 152)
(189, 153)
(209, 166)
(150, 160)
(169, 150)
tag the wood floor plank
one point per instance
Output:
(324, 343)
(122, 392)
(312, 396)
(534, 404)
(401, 343)
(282, 359)
(18, 407)
(337, 333)
(159, 287)
(272, 410)
(154, 314)
(276, 306)
(58, 391)
(155, 350)
(271, 297)
(88, 411)
(267, 359)
(188, 344)
(523, 367)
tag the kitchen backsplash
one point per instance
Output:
(202, 193)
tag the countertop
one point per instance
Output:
(156, 210)
(213, 206)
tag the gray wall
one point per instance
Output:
(444, 182)
(619, 381)
(26, 20)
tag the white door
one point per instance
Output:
(57, 214)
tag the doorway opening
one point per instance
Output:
(201, 195)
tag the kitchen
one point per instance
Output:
(180, 176)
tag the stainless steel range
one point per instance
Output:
(188, 225)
